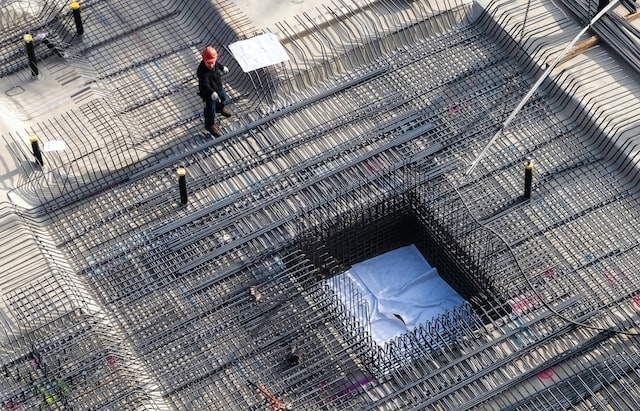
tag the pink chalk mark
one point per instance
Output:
(523, 303)
(359, 385)
(546, 374)
(549, 273)
(610, 278)
(111, 361)
(371, 167)
(636, 301)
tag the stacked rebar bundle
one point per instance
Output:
(613, 29)
(357, 147)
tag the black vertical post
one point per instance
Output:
(601, 5)
(75, 8)
(31, 54)
(182, 183)
(35, 146)
(528, 178)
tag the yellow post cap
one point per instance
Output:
(75, 5)
(528, 164)
(33, 138)
(28, 38)
(181, 171)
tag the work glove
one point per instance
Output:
(215, 97)
(225, 69)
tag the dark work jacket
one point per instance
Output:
(209, 80)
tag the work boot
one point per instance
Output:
(215, 131)
(226, 112)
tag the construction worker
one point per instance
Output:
(210, 89)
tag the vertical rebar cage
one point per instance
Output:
(409, 217)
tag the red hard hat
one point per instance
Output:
(209, 55)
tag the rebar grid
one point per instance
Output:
(112, 63)
(58, 349)
(67, 357)
(215, 296)
(515, 339)
(51, 17)
(352, 34)
(266, 150)
(152, 57)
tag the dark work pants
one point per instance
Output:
(211, 108)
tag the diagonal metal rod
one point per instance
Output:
(536, 85)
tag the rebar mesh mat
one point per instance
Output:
(222, 300)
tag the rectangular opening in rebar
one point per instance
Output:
(402, 283)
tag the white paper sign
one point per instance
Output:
(55, 145)
(257, 52)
